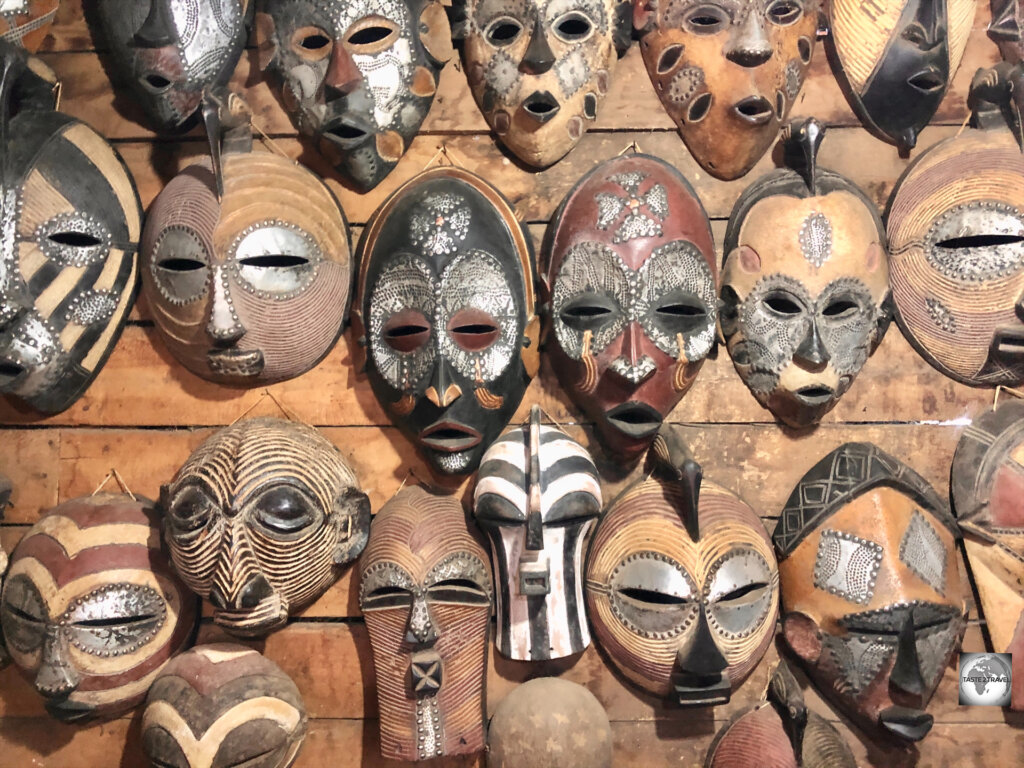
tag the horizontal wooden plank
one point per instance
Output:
(30, 459)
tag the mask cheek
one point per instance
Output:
(303, 83)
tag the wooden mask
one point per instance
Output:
(358, 76)
(259, 519)
(537, 497)
(727, 71)
(246, 260)
(631, 287)
(91, 608)
(445, 310)
(805, 284)
(988, 497)
(68, 247)
(223, 705)
(871, 592)
(539, 69)
(682, 585)
(956, 234)
(27, 22)
(895, 59)
(168, 51)
(1007, 29)
(425, 591)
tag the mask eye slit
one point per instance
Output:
(781, 304)
(74, 239)
(275, 260)
(573, 27)
(784, 12)
(707, 20)
(503, 31)
(312, 43)
(652, 597)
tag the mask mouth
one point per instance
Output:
(11, 372)
(235, 362)
(346, 133)
(755, 110)
(155, 83)
(1009, 343)
(814, 394)
(270, 613)
(927, 81)
(68, 711)
(450, 437)
(702, 690)
(541, 106)
(635, 419)
(905, 722)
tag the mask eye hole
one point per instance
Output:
(745, 593)
(276, 260)
(706, 20)
(784, 12)
(573, 27)
(371, 35)
(284, 510)
(191, 510)
(588, 311)
(175, 264)
(312, 43)
(387, 597)
(781, 304)
(840, 308)
(458, 591)
(503, 31)
(75, 239)
(669, 58)
(699, 108)
(915, 34)
(651, 597)
(473, 329)
(406, 331)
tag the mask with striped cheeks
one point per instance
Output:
(537, 498)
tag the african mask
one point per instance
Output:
(896, 58)
(549, 722)
(988, 496)
(682, 586)
(631, 288)
(537, 497)
(871, 593)
(168, 51)
(445, 309)
(223, 705)
(956, 235)
(248, 285)
(91, 609)
(539, 69)
(359, 76)
(68, 246)
(425, 591)
(727, 71)
(259, 519)
(27, 22)
(779, 732)
(1006, 29)
(804, 287)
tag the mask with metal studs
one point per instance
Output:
(223, 705)
(91, 609)
(260, 518)
(805, 284)
(682, 586)
(357, 75)
(425, 591)
(445, 309)
(631, 288)
(988, 496)
(1007, 29)
(168, 51)
(539, 69)
(871, 593)
(896, 58)
(537, 497)
(727, 72)
(27, 22)
(68, 247)
(956, 234)
(246, 260)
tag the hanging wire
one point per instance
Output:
(268, 141)
(1009, 390)
(263, 396)
(113, 473)
(631, 147)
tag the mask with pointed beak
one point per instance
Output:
(91, 609)
(27, 22)
(260, 519)
(871, 592)
(682, 586)
(805, 284)
(425, 591)
(168, 51)
(1007, 29)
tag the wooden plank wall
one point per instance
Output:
(145, 413)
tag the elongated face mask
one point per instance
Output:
(68, 245)
(260, 517)
(871, 593)
(445, 310)
(727, 71)
(804, 286)
(537, 497)
(357, 75)
(91, 609)
(27, 22)
(682, 585)
(168, 51)
(539, 69)
(895, 59)
(988, 497)
(1007, 29)
(425, 590)
(223, 705)
(632, 284)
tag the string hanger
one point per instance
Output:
(445, 156)
(631, 147)
(1009, 390)
(113, 473)
(263, 396)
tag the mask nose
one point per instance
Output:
(420, 629)
(157, 30)
(237, 583)
(224, 328)
(442, 391)
(906, 672)
(57, 678)
(748, 44)
(699, 656)
(252, 592)
(539, 58)
(811, 355)
(343, 76)
(632, 364)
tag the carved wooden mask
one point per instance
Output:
(988, 496)
(1007, 29)
(537, 497)
(425, 591)
(91, 608)
(259, 519)
(223, 705)
(871, 592)
(27, 22)
(727, 71)
(682, 585)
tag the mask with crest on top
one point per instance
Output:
(27, 22)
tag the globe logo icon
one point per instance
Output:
(985, 679)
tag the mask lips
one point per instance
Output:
(347, 132)
(928, 80)
(635, 418)
(235, 362)
(815, 395)
(68, 711)
(450, 436)
(540, 106)
(754, 110)
(1008, 343)
(11, 373)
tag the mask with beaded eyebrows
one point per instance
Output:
(804, 286)
(259, 519)
(682, 586)
(425, 591)
(871, 592)
(27, 22)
